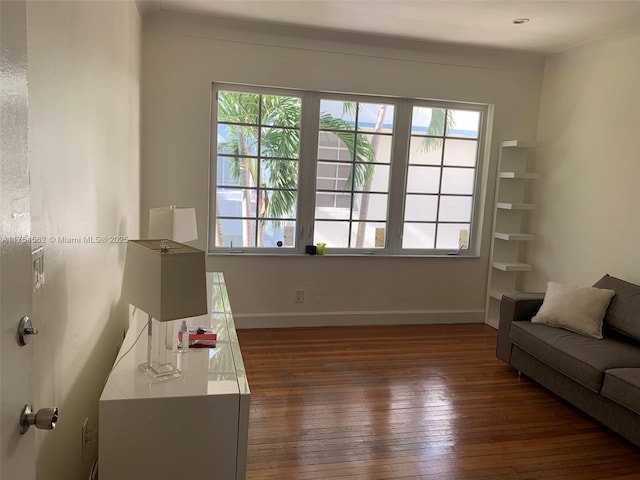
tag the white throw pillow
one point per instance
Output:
(579, 309)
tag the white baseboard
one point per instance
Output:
(326, 319)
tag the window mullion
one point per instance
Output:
(353, 175)
(399, 160)
(310, 124)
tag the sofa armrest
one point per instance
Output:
(514, 307)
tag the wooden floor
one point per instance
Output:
(419, 402)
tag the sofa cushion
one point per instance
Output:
(622, 385)
(579, 309)
(623, 314)
(580, 358)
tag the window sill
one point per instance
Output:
(338, 255)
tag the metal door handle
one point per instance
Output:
(25, 328)
(44, 419)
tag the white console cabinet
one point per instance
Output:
(194, 426)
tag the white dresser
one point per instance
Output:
(194, 426)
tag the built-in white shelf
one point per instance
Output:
(520, 175)
(512, 266)
(516, 206)
(515, 172)
(497, 294)
(513, 237)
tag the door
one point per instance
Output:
(17, 451)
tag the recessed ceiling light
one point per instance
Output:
(520, 21)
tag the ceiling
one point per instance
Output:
(554, 25)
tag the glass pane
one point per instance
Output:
(278, 203)
(281, 111)
(229, 171)
(458, 180)
(280, 143)
(423, 180)
(425, 151)
(449, 235)
(463, 123)
(460, 152)
(368, 235)
(331, 147)
(375, 117)
(238, 107)
(371, 178)
(333, 205)
(418, 235)
(326, 184)
(335, 176)
(370, 206)
(237, 140)
(381, 146)
(334, 234)
(428, 121)
(238, 171)
(278, 234)
(279, 174)
(337, 115)
(421, 208)
(455, 209)
(236, 202)
(235, 233)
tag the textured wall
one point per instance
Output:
(586, 223)
(84, 81)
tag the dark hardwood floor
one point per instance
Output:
(419, 402)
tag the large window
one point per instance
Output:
(258, 152)
(353, 166)
(365, 175)
(441, 178)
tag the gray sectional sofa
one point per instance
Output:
(600, 377)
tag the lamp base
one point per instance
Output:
(160, 372)
(159, 365)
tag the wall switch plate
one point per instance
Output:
(299, 296)
(37, 260)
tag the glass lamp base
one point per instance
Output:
(159, 365)
(160, 372)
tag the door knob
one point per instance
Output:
(44, 419)
(25, 328)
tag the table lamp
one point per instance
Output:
(174, 223)
(167, 281)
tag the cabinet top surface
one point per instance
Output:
(205, 371)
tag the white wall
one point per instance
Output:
(84, 81)
(587, 223)
(183, 55)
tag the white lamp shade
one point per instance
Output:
(166, 285)
(174, 223)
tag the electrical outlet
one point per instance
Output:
(299, 296)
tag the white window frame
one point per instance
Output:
(474, 234)
(309, 125)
